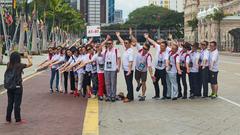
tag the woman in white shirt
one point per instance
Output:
(127, 63)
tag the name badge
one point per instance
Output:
(141, 66)
(94, 67)
(182, 64)
(109, 65)
(190, 64)
(101, 66)
(160, 63)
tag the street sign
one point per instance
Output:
(93, 31)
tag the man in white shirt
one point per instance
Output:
(204, 68)
(127, 64)
(162, 55)
(173, 67)
(213, 67)
(194, 72)
(143, 64)
(111, 68)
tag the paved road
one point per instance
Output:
(46, 114)
(181, 117)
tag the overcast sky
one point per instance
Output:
(129, 5)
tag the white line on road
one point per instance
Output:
(227, 62)
(237, 74)
(229, 101)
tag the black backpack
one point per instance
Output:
(10, 79)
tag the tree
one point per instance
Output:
(153, 17)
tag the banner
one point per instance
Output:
(93, 31)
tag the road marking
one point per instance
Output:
(229, 101)
(221, 70)
(25, 79)
(237, 74)
(90, 125)
(228, 62)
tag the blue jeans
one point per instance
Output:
(54, 72)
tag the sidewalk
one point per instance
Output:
(36, 61)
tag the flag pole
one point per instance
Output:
(4, 29)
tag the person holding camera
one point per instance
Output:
(13, 84)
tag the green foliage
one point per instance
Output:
(218, 15)
(153, 17)
(193, 23)
(59, 13)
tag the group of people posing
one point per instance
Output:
(91, 69)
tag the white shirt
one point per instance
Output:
(72, 60)
(184, 59)
(127, 57)
(214, 60)
(194, 57)
(82, 59)
(173, 59)
(204, 55)
(161, 58)
(55, 58)
(143, 61)
(110, 59)
(99, 59)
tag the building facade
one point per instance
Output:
(94, 12)
(118, 16)
(176, 5)
(226, 31)
(110, 11)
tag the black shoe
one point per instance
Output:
(100, 98)
(184, 97)
(204, 96)
(51, 91)
(163, 98)
(168, 97)
(107, 99)
(156, 97)
(113, 99)
(192, 97)
(179, 95)
(142, 98)
(174, 98)
(138, 87)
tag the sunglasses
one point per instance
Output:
(145, 49)
(126, 43)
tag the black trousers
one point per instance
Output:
(160, 74)
(184, 82)
(194, 84)
(86, 82)
(14, 100)
(72, 80)
(204, 80)
(129, 82)
(65, 74)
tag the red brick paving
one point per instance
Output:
(46, 114)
